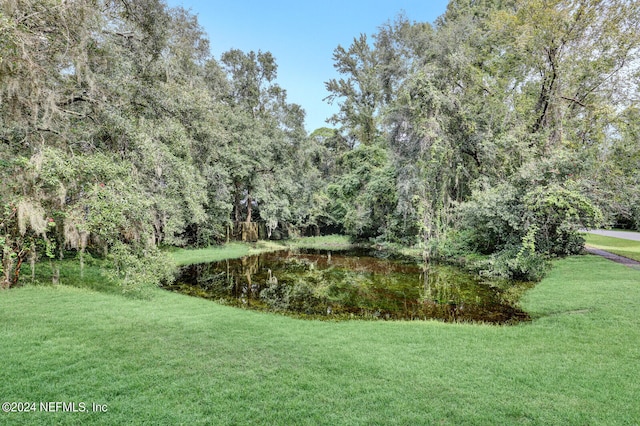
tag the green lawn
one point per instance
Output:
(626, 248)
(180, 360)
(237, 250)
(210, 254)
(327, 242)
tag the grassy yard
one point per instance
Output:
(619, 246)
(180, 360)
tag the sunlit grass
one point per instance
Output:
(619, 246)
(210, 254)
(174, 359)
(236, 249)
(321, 242)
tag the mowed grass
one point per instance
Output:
(619, 246)
(323, 242)
(237, 250)
(210, 254)
(180, 360)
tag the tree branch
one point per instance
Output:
(75, 99)
(573, 100)
(42, 129)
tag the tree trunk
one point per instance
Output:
(7, 268)
(55, 272)
(16, 271)
(236, 202)
(249, 208)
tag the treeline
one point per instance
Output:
(119, 133)
(500, 129)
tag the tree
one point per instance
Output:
(91, 143)
(573, 59)
(497, 92)
(612, 177)
(264, 132)
(363, 198)
(361, 90)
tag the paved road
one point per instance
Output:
(626, 235)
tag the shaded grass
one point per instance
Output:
(181, 360)
(619, 246)
(90, 277)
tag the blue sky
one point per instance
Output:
(302, 36)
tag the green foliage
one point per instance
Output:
(520, 229)
(139, 272)
(363, 198)
(492, 218)
(123, 129)
(613, 177)
(557, 215)
(360, 91)
(125, 132)
(514, 263)
(508, 120)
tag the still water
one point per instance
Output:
(354, 284)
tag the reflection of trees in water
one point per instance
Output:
(322, 284)
(440, 295)
(450, 294)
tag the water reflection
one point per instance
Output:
(354, 284)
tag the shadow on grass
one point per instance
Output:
(69, 272)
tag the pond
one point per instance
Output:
(354, 284)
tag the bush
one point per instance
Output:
(520, 229)
(491, 219)
(139, 271)
(558, 215)
(511, 264)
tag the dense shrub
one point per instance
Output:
(521, 229)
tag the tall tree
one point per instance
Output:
(360, 91)
(264, 131)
